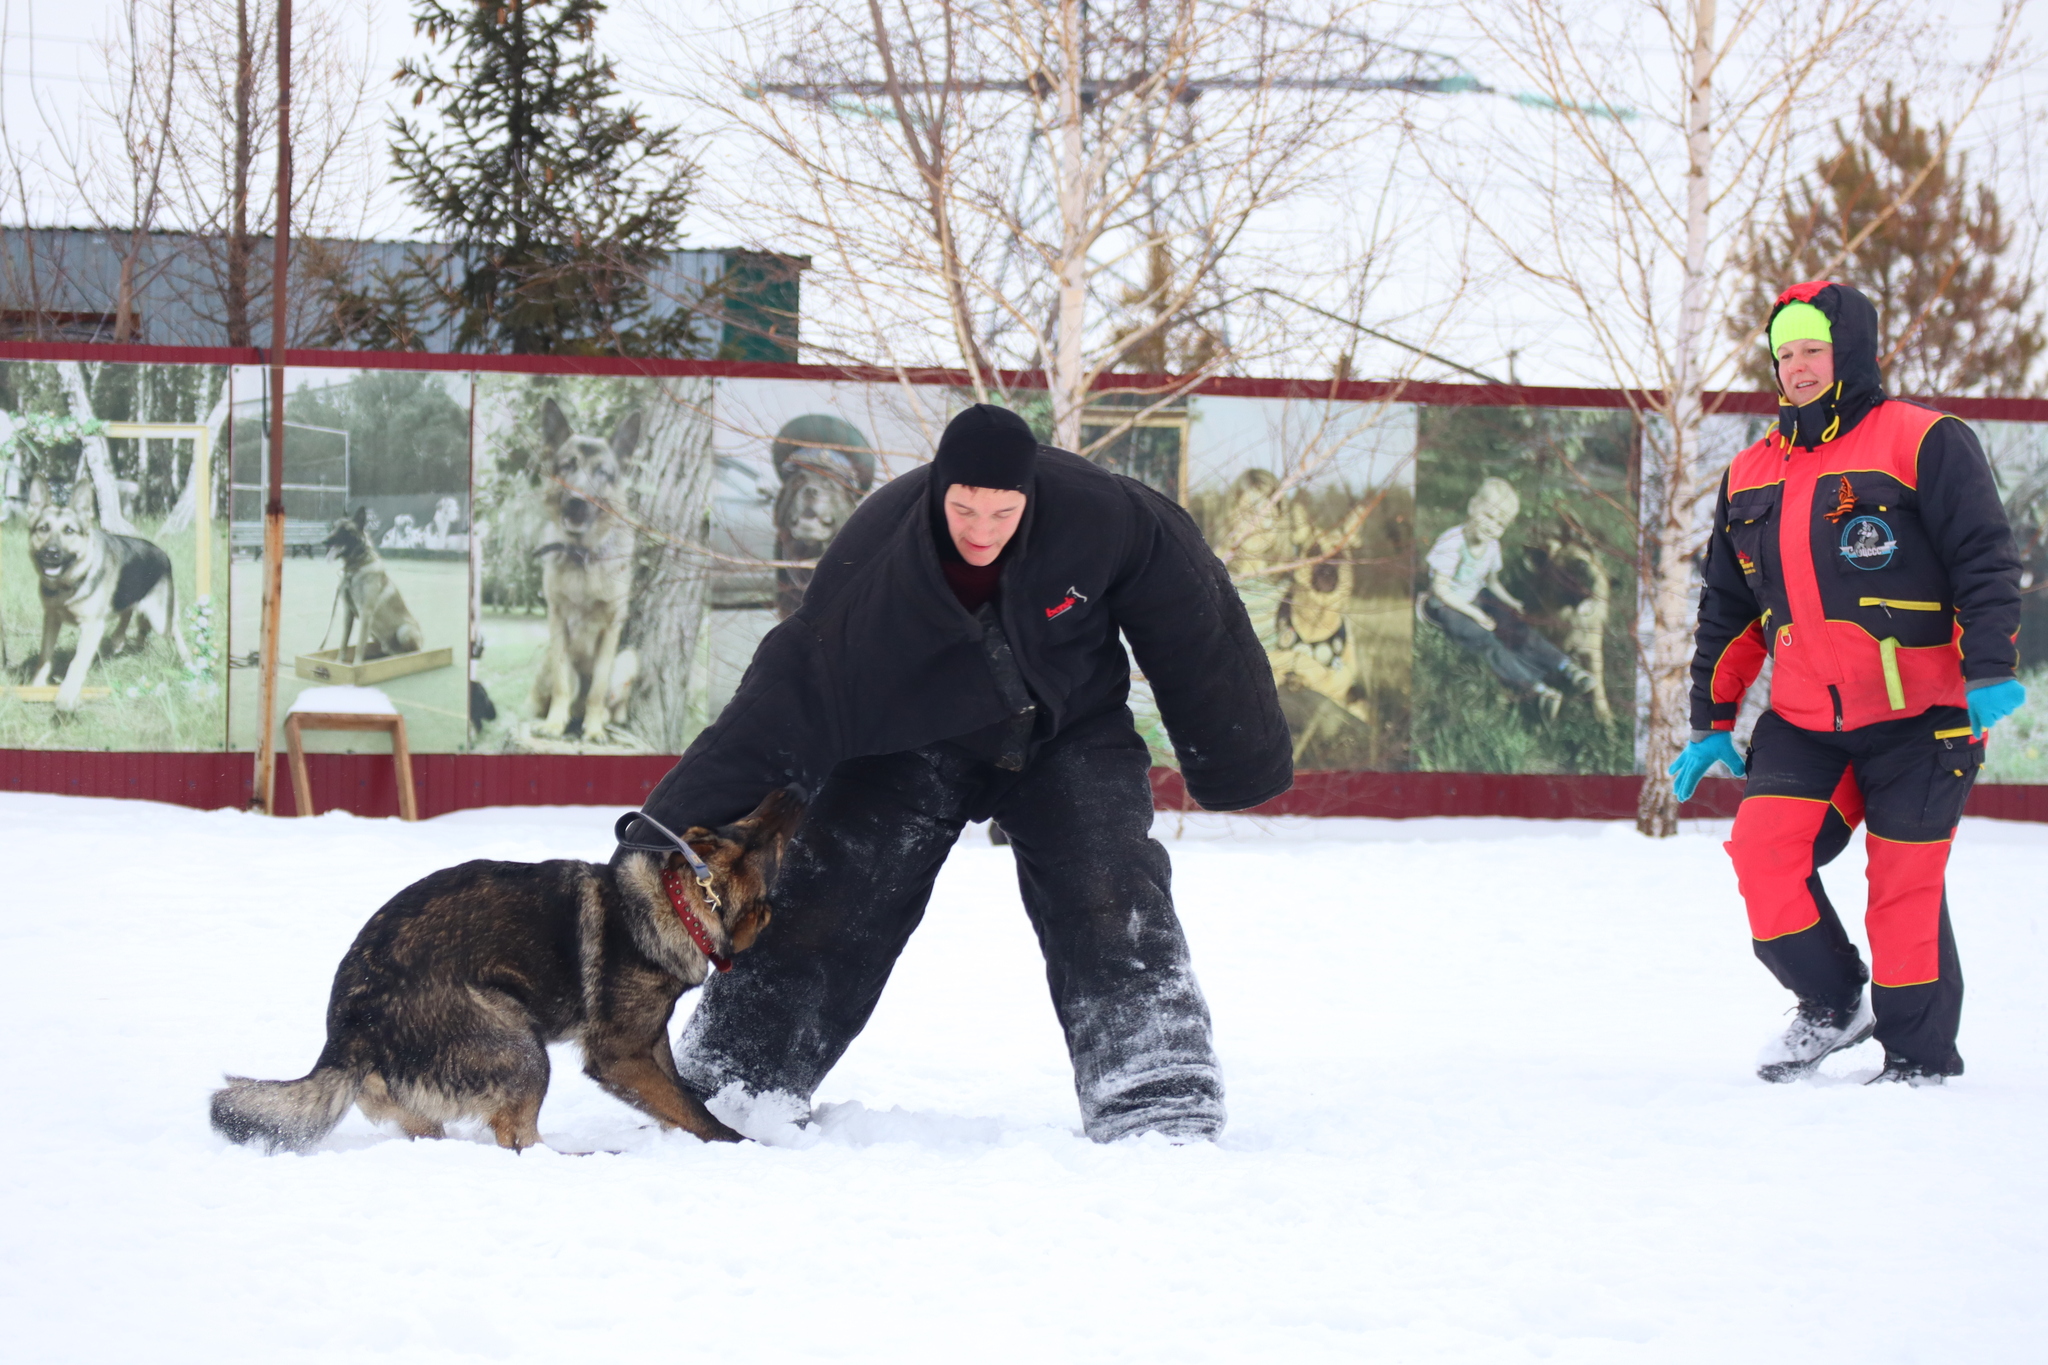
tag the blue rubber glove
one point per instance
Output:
(1990, 705)
(1697, 757)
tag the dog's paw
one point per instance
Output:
(593, 734)
(550, 728)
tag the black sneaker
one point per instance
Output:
(1815, 1032)
(1904, 1071)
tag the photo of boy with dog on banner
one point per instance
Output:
(113, 556)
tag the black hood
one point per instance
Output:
(1858, 387)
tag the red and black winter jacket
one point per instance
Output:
(1862, 545)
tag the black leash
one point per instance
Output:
(697, 864)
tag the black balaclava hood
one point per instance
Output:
(1852, 319)
(984, 447)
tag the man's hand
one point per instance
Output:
(1693, 762)
(1990, 705)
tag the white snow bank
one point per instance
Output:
(1489, 1086)
(347, 701)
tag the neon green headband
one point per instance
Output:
(1798, 321)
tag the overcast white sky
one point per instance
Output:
(50, 63)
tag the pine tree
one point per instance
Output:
(1952, 318)
(555, 198)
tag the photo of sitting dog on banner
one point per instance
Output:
(591, 586)
(783, 487)
(376, 533)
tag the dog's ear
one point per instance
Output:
(626, 437)
(84, 501)
(38, 493)
(362, 517)
(554, 427)
(776, 818)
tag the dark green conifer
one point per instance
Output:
(1953, 317)
(556, 199)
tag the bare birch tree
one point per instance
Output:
(222, 151)
(141, 57)
(1049, 186)
(179, 137)
(97, 459)
(106, 161)
(1677, 123)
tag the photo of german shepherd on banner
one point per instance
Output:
(97, 581)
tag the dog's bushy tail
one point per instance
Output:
(287, 1116)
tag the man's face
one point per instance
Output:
(982, 520)
(1806, 370)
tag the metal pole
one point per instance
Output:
(265, 791)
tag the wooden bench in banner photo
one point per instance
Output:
(348, 708)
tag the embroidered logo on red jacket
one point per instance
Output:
(1067, 604)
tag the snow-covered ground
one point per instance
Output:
(1489, 1082)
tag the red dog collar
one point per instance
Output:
(679, 898)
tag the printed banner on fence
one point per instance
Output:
(591, 495)
(376, 534)
(584, 564)
(113, 556)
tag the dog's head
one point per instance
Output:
(819, 493)
(349, 536)
(744, 857)
(60, 534)
(585, 476)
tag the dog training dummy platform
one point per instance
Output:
(348, 708)
(327, 665)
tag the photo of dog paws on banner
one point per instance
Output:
(377, 548)
(592, 495)
(109, 549)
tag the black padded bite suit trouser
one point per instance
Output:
(854, 885)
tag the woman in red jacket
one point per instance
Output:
(1862, 546)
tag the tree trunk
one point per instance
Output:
(1065, 372)
(1670, 603)
(669, 610)
(98, 459)
(239, 248)
(124, 296)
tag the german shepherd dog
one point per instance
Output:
(91, 578)
(586, 578)
(820, 489)
(368, 592)
(442, 1006)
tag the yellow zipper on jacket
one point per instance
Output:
(1895, 602)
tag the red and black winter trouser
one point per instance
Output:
(1908, 780)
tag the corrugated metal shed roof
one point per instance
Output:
(64, 284)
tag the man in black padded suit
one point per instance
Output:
(958, 656)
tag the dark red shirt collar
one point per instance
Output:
(973, 584)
